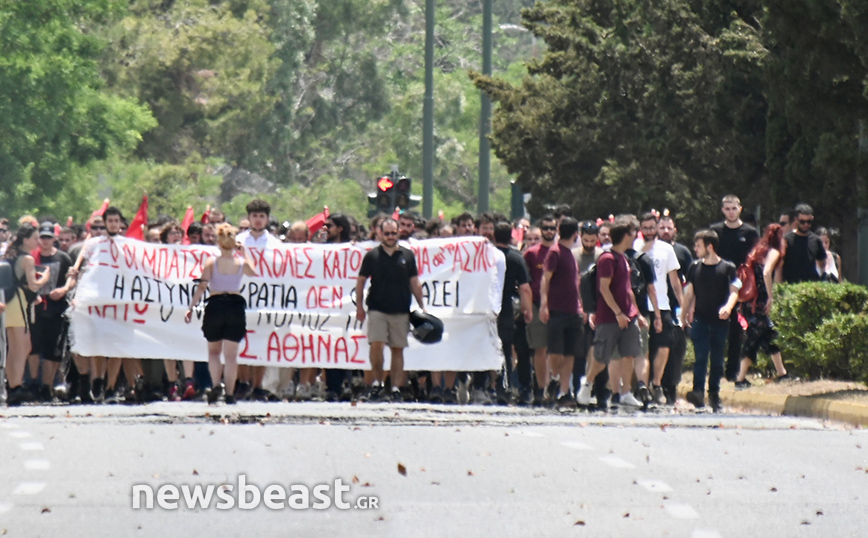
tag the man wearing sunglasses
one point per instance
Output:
(394, 282)
(537, 334)
(805, 259)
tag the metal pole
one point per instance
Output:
(485, 113)
(428, 116)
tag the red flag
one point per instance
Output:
(188, 220)
(396, 213)
(101, 210)
(137, 226)
(518, 235)
(317, 221)
(206, 216)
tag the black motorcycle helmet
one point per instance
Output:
(427, 329)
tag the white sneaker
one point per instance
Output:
(289, 392)
(303, 393)
(480, 397)
(584, 395)
(629, 399)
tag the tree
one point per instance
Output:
(818, 108)
(55, 113)
(635, 104)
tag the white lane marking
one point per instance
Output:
(655, 486)
(8, 426)
(616, 462)
(29, 488)
(33, 445)
(705, 533)
(19, 434)
(532, 434)
(681, 511)
(576, 444)
(5, 507)
(37, 465)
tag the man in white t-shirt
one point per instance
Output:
(256, 238)
(665, 267)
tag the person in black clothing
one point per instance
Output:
(48, 330)
(394, 282)
(668, 232)
(710, 297)
(737, 239)
(805, 256)
(516, 279)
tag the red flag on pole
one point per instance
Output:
(318, 221)
(206, 216)
(188, 220)
(101, 210)
(137, 226)
(396, 213)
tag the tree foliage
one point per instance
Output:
(55, 115)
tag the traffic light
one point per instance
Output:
(383, 201)
(393, 191)
(403, 198)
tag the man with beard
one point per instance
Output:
(736, 240)
(394, 282)
(666, 231)
(666, 268)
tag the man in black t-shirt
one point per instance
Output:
(48, 335)
(805, 258)
(394, 281)
(516, 280)
(710, 297)
(737, 239)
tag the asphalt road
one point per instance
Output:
(433, 471)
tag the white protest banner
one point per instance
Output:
(132, 296)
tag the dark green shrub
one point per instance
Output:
(800, 309)
(840, 345)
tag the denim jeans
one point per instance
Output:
(708, 340)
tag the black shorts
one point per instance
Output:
(564, 333)
(663, 338)
(760, 335)
(225, 318)
(47, 335)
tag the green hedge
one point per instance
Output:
(823, 329)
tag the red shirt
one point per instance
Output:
(564, 284)
(615, 266)
(534, 258)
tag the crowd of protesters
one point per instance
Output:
(618, 339)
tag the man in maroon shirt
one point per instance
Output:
(617, 320)
(561, 310)
(536, 330)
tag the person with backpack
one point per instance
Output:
(19, 306)
(617, 321)
(761, 265)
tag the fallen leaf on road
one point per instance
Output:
(806, 522)
(367, 485)
(195, 472)
(435, 483)
(627, 514)
(46, 510)
(773, 490)
(367, 455)
(355, 479)
(470, 473)
(580, 523)
(402, 470)
(819, 512)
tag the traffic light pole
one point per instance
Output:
(428, 116)
(485, 113)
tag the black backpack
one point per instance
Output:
(588, 285)
(7, 280)
(637, 282)
(588, 289)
